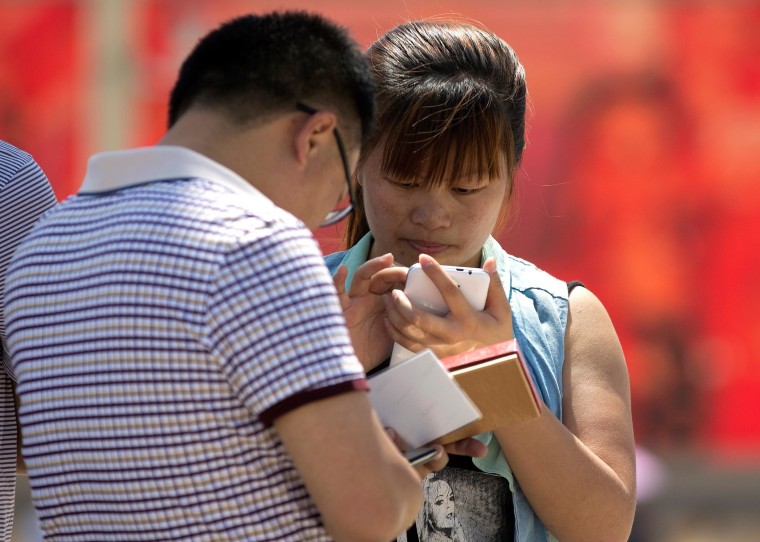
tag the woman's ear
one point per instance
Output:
(314, 134)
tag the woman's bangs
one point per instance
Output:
(434, 145)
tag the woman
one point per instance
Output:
(434, 183)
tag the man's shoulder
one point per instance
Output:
(11, 154)
(218, 202)
(183, 217)
(12, 160)
(199, 204)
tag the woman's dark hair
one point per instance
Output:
(451, 101)
(257, 65)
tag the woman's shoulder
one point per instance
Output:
(527, 276)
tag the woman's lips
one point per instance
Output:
(427, 247)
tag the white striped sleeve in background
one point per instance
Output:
(25, 194)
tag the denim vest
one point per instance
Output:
(539, 316)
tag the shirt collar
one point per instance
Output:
(355, 256)
(113, 170)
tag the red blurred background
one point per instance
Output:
(640, 177)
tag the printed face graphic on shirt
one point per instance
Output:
(442, 505)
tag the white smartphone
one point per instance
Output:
(418, 456)
(472, 282)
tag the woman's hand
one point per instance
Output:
(364, 309)
(435, 464)
(467, 446)
(462, 329)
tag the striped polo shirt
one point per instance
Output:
(158, 322)
(25, 194)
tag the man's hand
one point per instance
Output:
(467, 446)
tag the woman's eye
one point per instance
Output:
(465, 191)
(404, 184)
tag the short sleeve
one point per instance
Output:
(276, 325)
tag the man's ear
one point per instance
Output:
(313, 134)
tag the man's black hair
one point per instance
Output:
(256, 65)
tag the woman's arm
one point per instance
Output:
(580, 476)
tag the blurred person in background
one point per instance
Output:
(25, 194)
(636, 214)
(713, 52)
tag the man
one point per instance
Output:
(184, 370)
(25, 194)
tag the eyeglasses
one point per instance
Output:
(344, 208)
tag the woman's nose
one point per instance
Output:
(431, 210)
